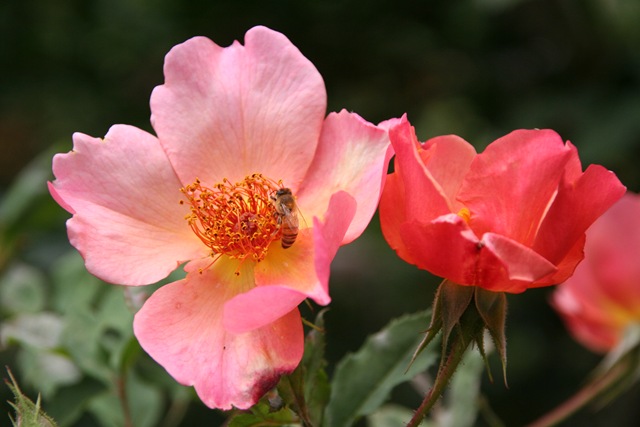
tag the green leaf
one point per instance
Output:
(262, 416)
(22, 290)
(69, 403)
(306, 390)
(47, 371)
(74, 288)
(28, 186)
(28, 414)
(39, 330)
(363, 381)
(391, 416)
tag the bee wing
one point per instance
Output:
(290, 218)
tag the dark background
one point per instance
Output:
(476, 68)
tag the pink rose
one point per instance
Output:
(602, 298)
(234, 125)
(508, 219)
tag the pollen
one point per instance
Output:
(465, 214)
(238, 220)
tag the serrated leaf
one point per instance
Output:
(262, 416)
(28, 414)
(363, 381)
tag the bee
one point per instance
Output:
(286, 208)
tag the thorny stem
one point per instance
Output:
(470, 326)
(442, 379)
(581, 398)
(302, 412)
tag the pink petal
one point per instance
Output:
(181, 327)
(584, 323)
(230, 112)
(352, 156)
(329, 235)
(613, 251)
(424, 197)
(576, 206)
(448, 159)
(510, 185)
(127, 223)
(393, 215)
(454, 260)
(565, 267)
(587, 310)
(287, 276)
(522, 263)
(259, 307)
(447, 247)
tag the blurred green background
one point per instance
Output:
(476, 68)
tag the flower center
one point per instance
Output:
(465, 214)
(238, 220)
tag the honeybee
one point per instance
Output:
(286, 208)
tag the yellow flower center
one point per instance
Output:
(465, 214)
(238, 220)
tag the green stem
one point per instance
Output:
(442, 379)
(121, 383)
(470, 325)
(300, 404)
(585, 395)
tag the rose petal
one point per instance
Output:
(613, 248)
(456, 260)
(448, 159)
(287, 276)
(510, 184)
(181, 327)
(494, 263)
(259, 307)
(230, 112)
(576, 206)
(424, 196)
(329, 235)
(393, 215)
(523, 264)
(127, 223)
(352, 156)
(584, 309)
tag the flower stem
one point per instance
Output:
(470, 325)
(122, 395)
(584, 396)
(442, 379)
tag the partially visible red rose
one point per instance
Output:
(602, 298)
(511, 218)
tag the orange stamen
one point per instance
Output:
(465, 214)
(238, 220)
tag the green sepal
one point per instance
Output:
(28, 414)
(454, 300)
(492, 307)
(449, 304)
